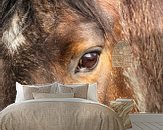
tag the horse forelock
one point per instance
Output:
(46, 15)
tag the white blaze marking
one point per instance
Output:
(13, 37)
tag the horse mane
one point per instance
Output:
(90, 9)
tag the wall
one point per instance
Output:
(0, 82)
(1, 96)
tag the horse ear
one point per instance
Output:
(8, 7)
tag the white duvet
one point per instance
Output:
(59, 114)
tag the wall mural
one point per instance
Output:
(117, 44)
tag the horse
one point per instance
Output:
(72, 42)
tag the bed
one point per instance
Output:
(59, 114)
(58, 106)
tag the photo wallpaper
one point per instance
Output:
(117, 44)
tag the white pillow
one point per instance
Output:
(19, 93)
(79, 90)
(54, 88)
(24, 92)
(52, 95)
(92, 92)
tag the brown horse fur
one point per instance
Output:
(43, 41)
(143, 28)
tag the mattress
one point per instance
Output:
(59, 114)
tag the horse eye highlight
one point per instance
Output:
(88, 62)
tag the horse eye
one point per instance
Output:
(88, 62)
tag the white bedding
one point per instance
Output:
(59, 114)
(62, 100)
